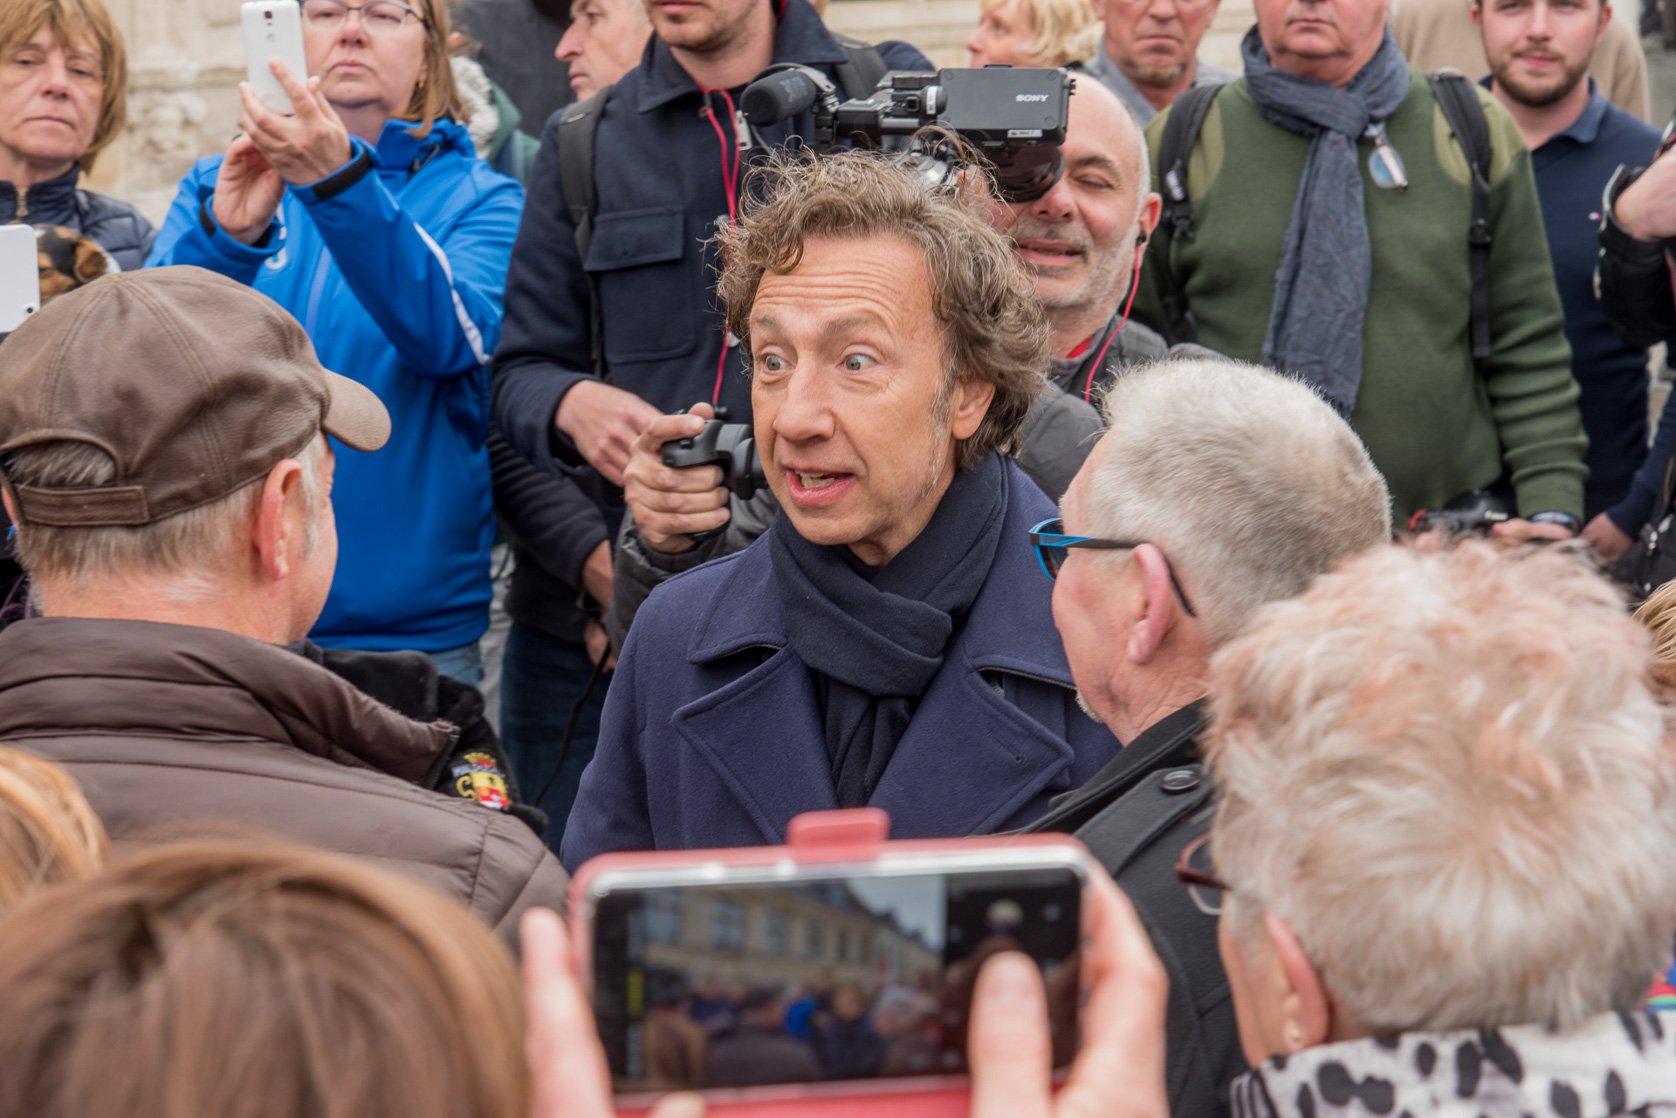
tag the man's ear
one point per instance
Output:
(1306, 1007)
(969, 405)
(10, 501)
(1478, 14)
(1161, 611)
(278, 530)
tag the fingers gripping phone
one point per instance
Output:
(273, 30)
(20, 276)
(836, 966)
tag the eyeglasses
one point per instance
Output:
(382, 17)
(1384, 163)
(1052, 545)
(1193, 869)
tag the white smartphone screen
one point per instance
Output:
(20, 276)
(273, 30)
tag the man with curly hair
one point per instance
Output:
(888, 641)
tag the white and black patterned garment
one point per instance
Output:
(1614, 1065)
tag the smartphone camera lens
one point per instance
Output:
(268, 16)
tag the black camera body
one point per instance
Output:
(1475, 511)
(1015, 117)
(732, 446)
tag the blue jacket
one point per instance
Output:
(114, 226)
(712, 735)
(397, 277)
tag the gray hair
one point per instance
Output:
(1447, 774)
(190, 548)
(1248, 482)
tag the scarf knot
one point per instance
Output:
(874, 640)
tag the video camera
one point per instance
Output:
(1014, 117)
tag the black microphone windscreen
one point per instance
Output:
(779, 96)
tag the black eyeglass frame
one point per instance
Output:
(1043, 541)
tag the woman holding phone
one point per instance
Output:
(63, 99)
(367, 215)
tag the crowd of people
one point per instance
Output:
(1375, 808)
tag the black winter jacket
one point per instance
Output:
(1135, 816)
(114, 226)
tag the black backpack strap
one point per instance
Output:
(578, 127)
(859, 76)
(1465, 115)
(1181, 132)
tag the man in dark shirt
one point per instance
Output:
(1539, 53)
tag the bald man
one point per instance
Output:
(1082, 241)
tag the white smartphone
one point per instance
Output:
(20, 276)
(273, 29)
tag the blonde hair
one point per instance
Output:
(437, 95)
(259, 979)
(1658, 614)
(1445, 771)
(69, 20)
(1062, 31)
(48, 833)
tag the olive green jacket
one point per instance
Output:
(1434, 425)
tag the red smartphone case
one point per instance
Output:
(854, 835)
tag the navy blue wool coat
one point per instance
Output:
(712, 735)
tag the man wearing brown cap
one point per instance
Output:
(162, 443)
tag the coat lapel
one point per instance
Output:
(970, 760)
(760, 732)
(762, 737)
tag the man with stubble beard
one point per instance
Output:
(1539, 53)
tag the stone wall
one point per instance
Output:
(186, 58)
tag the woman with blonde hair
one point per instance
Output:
(48, 833)
(63, 100)
(369, 217)
(1034, 33)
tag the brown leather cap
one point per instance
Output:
(194, 383)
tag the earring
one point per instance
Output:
(1294, 1035)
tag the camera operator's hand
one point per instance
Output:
(1647, 207)
(670, 504)
(1525, 530)
(1607, 538)
(603, 422)
(569, 1077)
(1119, 1072)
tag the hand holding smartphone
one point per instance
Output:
(811, 973)
(273, 30)
(20, 276)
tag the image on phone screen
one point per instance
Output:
(852, 978)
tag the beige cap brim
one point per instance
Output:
(355, 416)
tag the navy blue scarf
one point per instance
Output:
(875, 639)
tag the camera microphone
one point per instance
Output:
(777, 97)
